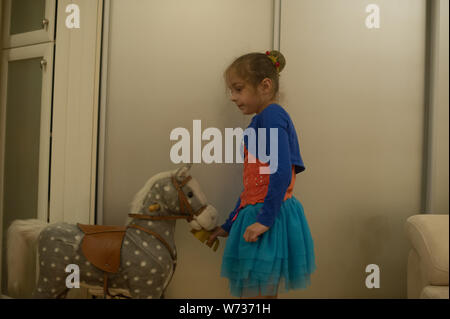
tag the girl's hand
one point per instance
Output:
(218, 231)
(253, 231)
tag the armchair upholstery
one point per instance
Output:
(427, 268)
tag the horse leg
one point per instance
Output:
(142, 286)
(50, 288)
(63, 295)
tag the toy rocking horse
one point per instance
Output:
(139, 258)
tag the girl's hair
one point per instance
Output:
(255, 67)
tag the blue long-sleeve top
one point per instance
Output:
(284, 164)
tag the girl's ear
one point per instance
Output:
(269, 83)
(266, 85)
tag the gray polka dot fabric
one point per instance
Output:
(144, 270)
(146, 264)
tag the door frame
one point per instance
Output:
(73, 69)
(75, 114)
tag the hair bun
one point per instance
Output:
(279, 57)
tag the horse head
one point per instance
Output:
(176, 195)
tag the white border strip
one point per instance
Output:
(102, 111)
(432, 87)
(276, 24)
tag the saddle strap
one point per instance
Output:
(105, 285)
(149, 217)
(148, 231)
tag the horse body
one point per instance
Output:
(146, 264)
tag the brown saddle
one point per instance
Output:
(101, 245)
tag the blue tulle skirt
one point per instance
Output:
(282, 259)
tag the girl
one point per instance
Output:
(269, 239)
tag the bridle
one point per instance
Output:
(186, 212)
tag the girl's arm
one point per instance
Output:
(227, 225)
(279, 181)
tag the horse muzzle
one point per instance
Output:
(206, 220)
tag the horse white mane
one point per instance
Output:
(139, 198)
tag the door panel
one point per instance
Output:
(27, 16)
(28, 22)
(25, 138)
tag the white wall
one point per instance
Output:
(355, 95)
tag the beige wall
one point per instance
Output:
(166, 60)
(355, 95)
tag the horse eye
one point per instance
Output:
(190, 194)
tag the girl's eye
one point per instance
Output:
(190, 194)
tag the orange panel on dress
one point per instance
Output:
(256, 184)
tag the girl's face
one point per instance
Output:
(247, 99)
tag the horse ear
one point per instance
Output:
(183, 171)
